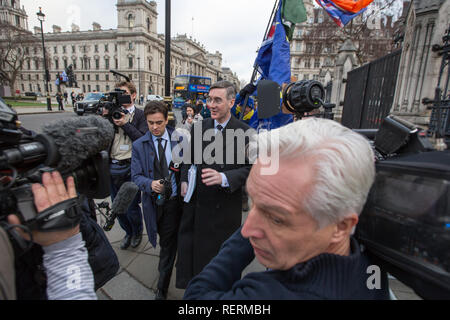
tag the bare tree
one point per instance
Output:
(371, 32)
(15, 45)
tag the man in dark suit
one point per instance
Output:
(130, 127)
(214, 211)
(151, 158)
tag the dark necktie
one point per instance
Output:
(162, 159)
(219, 127)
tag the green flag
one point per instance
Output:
(292, 12)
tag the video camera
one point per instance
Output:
(405, 224)
(300, 98)
(73, 147)
(113, 101)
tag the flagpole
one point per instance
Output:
(255, 66)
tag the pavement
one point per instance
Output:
(138, 274)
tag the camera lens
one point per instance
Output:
(303, 96)
(116, 115)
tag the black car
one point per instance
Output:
(89, 103)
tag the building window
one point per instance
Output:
(64, 49)
(89, 87)
(28, 64)
(130, 21)
(130, 76)
(107, 87)
(130, 63)
(97, 64)
(74, 64)
(115, 47)
(82, 77)
(84, 88)
(36, 64)
(306, 76)
(97, 87)
(309, 48)
(29, 77)
(97, 77)
(117, 63)
(316, 63)
(316, 77)
(96, 48)
(307, 63)
(148, 24)
(130, 45)
(106, 48)
(73, 49)
(65, 63)
(106, 63)
(23, 87)
(31, 87)
(107, 79)
(56, 64)
(55, 49)
(89, 79)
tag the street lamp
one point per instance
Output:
(139, 78)
(41, 18)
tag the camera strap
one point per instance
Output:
(61, 216)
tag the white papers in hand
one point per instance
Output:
(192, 175)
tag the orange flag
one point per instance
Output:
(351, 5)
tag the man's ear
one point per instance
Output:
(344, 228)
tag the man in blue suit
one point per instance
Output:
(151, 158)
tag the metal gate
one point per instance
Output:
(369, 92)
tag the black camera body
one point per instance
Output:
(23, 160)
(300, 98)
(161, 198)
(113, 102)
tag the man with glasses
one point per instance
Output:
(214, 211)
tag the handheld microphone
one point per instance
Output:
(121, 202)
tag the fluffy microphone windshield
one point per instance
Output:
(79, 139)
(124, 197)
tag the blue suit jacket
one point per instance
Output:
(142, 174)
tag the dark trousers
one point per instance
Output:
(168, 221)
(131, 222)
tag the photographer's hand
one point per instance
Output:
(52, 192)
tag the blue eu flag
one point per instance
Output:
(273, 62)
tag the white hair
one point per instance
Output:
(342, 160)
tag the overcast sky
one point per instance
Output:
(233, 27)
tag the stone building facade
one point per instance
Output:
(321, 51)
(11, 13)
(423, 26)
(134, 49)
